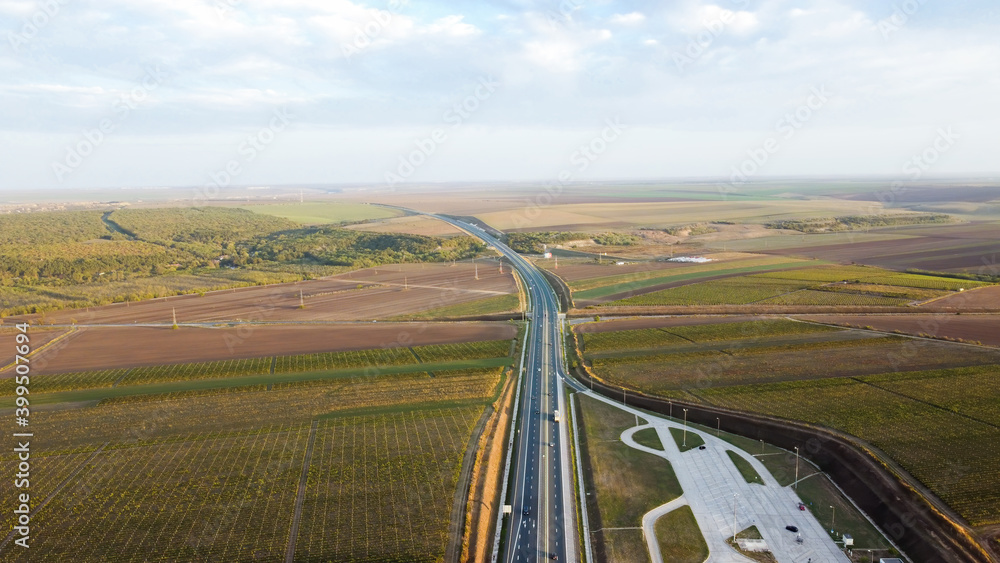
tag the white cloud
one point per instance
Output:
(631, 18)
(453, 26)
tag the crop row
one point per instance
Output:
(228, 498)
(463, 351)
(816, 297)
(629, 340)
(66, 381)
(730, 291)
(974, 391)
(381, 488)
(740, 363)
(377, 357)
(205, 370)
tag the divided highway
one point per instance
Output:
(541, 526)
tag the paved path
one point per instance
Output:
(648, 526)
(711, 484)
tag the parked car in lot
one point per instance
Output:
(802, 506)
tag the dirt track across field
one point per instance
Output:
(94, 348)
(384, 292)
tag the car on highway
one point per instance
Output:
(802, 506)
(793, 529)
(526, 512)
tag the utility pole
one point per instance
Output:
(174, 309)
(557, 263)
(302, 300)
(477, 268)
(405, 285)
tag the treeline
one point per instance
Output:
(616, 239)
(533, 243)
(857, 222)
(989, 278)
(331, 246)
(100, 253)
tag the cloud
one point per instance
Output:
(629, 19)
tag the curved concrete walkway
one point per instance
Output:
(649, 526)
(712, 484)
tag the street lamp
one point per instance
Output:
(735, 495)
(833, 523)
(762, 447)
(718, 427)
(671, 403)
(685, 441)
(796, 485)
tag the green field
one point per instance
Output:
(596, 288)
(257, 371)
(214, 477)
(487, 306)
(826, 285)
(320, 213)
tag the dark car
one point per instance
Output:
(526, 512)
(701, 447)
(793, 529)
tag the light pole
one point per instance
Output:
(762, 447)
(685, 441)
(671, 403)
(735, 495)
(833, 522)
(796, 485)
(718, 427)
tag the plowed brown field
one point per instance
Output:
(385, 292)
(981, 328)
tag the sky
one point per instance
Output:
(118, 93)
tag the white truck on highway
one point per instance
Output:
(555, 416)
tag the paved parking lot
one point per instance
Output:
(713, 487)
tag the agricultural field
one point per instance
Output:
(369, 294)
(969, 247)
(954, 456)
(722, 354)
(99, 348)
(487, 306)
(244, 370)
(681, 336)
(962, 328)
(216, 476)
(380, 488)
(827, 285)
(597, 288)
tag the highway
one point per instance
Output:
(542, 523)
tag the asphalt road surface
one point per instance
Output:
(541, 522)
